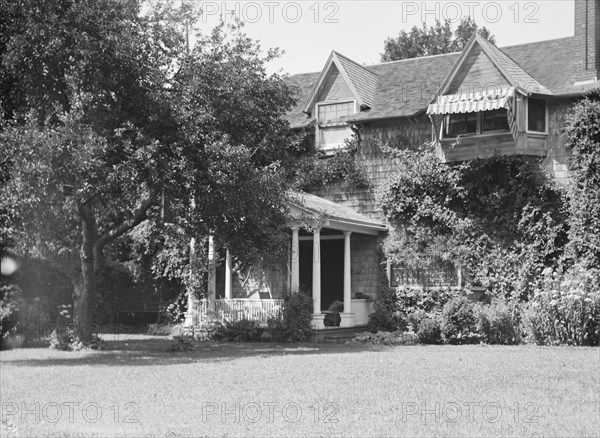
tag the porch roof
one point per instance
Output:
(336, 216)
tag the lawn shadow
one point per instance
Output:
(141, 350)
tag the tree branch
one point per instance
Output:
(139, 215)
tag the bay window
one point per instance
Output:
(475, 123)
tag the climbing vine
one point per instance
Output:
(316, 170)
(502, 219)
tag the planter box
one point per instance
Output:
(361, 309)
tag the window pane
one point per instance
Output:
(333, 137)
(495, 120)
(457, 124)
(536, 115)
(335, 112)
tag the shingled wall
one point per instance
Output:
(377, 164)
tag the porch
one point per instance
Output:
(332, 256)
(323, 260)
(260, 311)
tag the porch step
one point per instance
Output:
(337, 335)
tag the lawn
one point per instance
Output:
(140, 389)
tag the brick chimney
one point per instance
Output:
(587, 40)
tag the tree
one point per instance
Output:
(108, 117)
(436, 40)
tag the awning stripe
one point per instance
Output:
(473, 102)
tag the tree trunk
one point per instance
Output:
(85, 290)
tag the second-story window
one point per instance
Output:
(335, 112)
(536, 115)
(332, 128)
(474, 123)
(460, 124)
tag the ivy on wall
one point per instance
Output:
(582, 129)
(503, 220)
(316, 170)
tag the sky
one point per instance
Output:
(307, 31)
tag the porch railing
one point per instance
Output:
(238, 309)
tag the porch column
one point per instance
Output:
(318, 317)
(191, 316)
(228, 275)
(295, 260)
(211, 292)
(347, 317)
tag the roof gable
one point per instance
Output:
(361, 81)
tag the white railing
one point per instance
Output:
(238, 309)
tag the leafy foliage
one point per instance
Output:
(11, 302)
(436, 40)
(238, 331)
(497, 324)
(502, 219)
(582, 129)
(315, 170)
(567, 309)
(297, 316)
(385, 338)
(386, 316)
(459, 322)
(429, 331)
(144, 124)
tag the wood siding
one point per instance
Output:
(477, 74)
(335, 88)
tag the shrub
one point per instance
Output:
(567, 310)
(459, 322)
(11, 302)
(497, 325)
(66, 339)
(411, 299)
(238, 331)
(209, 330)
(414, 318)
(297, 316)
(429, 331)
(386, 315)
(276, 329)
(385, 338)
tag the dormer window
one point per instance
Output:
(334, 112)
(332, 128)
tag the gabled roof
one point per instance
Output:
(361, 81)
(337, 216)
(512, 72)
(405, 88)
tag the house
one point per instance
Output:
(477, 103)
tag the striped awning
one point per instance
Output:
(474, 102)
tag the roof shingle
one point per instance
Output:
(405, 88)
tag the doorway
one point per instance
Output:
(332, 269)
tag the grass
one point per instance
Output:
(139, 389)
